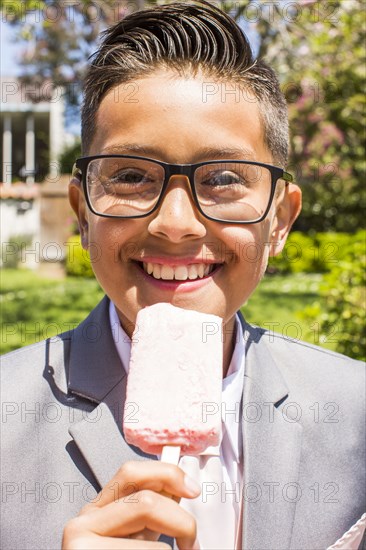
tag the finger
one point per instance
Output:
(150, 474)
(145, 534)
(95, 542)
(148, 510)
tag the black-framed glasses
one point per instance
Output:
(227, 191)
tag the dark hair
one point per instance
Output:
(186, 38)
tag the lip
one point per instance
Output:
(176, 285)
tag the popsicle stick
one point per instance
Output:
(170, 454)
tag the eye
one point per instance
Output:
(129, 176)
(223, 178)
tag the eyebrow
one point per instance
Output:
(203, 153)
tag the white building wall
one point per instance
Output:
(14, 224)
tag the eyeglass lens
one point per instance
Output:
(132, 187)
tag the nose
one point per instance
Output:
(178, 218)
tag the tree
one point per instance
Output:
(324, 83)
(60, 35)
(317, 48)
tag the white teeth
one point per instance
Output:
(156, 271)
(180, 272)
(167, 272)
(192, 272)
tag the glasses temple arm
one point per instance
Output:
(76, 172)
(287, 177)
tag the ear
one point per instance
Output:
(78, 204)
(288, 209)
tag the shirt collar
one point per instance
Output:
(121, 339)
(232, 392)
(232, 384)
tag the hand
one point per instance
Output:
(130, 512)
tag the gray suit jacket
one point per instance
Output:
(303, 437)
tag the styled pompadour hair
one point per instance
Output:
(186, 38)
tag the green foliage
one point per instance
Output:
(77, 259)
(327, 117)
(297, 256)
(15, 8)
(342, 311)
(336, 315)
(12, 252)
(318, 253)
(68, 157)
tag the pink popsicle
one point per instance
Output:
(174, 380)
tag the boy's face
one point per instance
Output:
(171, 119)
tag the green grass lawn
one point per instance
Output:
(278, 305)
(34, 307)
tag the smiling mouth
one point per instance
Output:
(189, 272)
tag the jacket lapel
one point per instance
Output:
(272, 447)
(94, 365)
(96, 374)
(100, 439)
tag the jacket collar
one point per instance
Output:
(94, 365)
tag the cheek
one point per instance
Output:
(251, 257)
(249, 246)
(110, 241)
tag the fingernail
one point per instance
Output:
(192, 486)
(196, 545)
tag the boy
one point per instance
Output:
(180, 182)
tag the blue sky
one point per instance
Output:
(9, 51)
